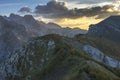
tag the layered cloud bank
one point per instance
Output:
(59, 10)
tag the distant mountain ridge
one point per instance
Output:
(16, 30)
(40, 28)
(108, 28)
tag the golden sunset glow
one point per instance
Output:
(72, 15)
(82, 23)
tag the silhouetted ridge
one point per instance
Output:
(108, 28)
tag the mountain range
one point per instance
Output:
(15, 30)
(34, 50)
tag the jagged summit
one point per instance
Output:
(13, 15)
(28, 17)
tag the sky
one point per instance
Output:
(12, 6)
(67, 13)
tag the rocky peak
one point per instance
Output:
(28, 17)
(12, 15)
(15, 17)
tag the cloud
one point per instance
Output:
(91, 12)
(87, 1)
(25, 9)
(51, 7)
(54, 9)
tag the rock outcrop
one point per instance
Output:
(101, 57)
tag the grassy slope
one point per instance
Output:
(68, 63)
(108, 47)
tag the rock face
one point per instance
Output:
(101, 57)
(12, 35)
(28, 61)
(108, 28)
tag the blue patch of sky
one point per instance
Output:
(12, 6)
